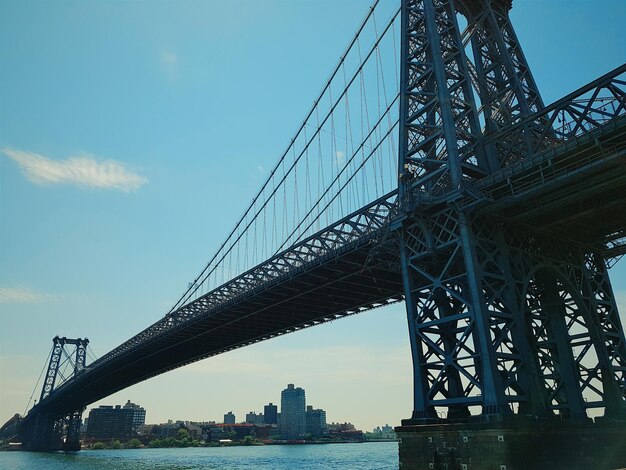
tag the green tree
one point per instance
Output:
(133, 444)
(98, 446)
(248, 440)
(115, 444)
(155, 443)
(182, 434)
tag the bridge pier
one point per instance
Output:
(42, 433)
(72, 438)
(520, 444)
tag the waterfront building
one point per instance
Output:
(316, 422)
(382, 432)
(341, 426)
(270, 414)
(292, 413)
(253, 418)
(169, 429)
(345, 432)
(229, 418)
(139, 414)
(108, 422)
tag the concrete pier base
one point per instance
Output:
(521, 445)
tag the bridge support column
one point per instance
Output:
(43, 432)
(72, 438)
(504, 321)
(551, 330)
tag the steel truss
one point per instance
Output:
(501, 318)
(536, 330)
(600, 103)
(355, 229)
(47, 429)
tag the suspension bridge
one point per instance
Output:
(428, 171)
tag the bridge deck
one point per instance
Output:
(575, 191)
(354, 274)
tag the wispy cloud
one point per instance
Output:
(170, 63)
(169, 58)
(341, 156)
(24, 294)
(84, 170)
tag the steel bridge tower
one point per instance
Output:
(51, 429)
(508, 327)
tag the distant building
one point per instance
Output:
(229, 418)
(139, 414)
(341, 427)
(345, 432)
(165, 430)
(83, 426)
(270, 414)
(382, 432)
(253, 418)
(316, 422)
(292, 413)
(107, 422)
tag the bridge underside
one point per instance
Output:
(575, 192)
(359, 279)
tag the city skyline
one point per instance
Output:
(154, 96)
(229, 417)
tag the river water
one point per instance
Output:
(364, 456)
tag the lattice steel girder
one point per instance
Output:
(496, 314)
(531, 326)
(44, 427)
(506, 87)
(56, 357)
(358, 275)
(439, 126)
(598, 105)
(347, 234)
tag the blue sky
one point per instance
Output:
(184, 103)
